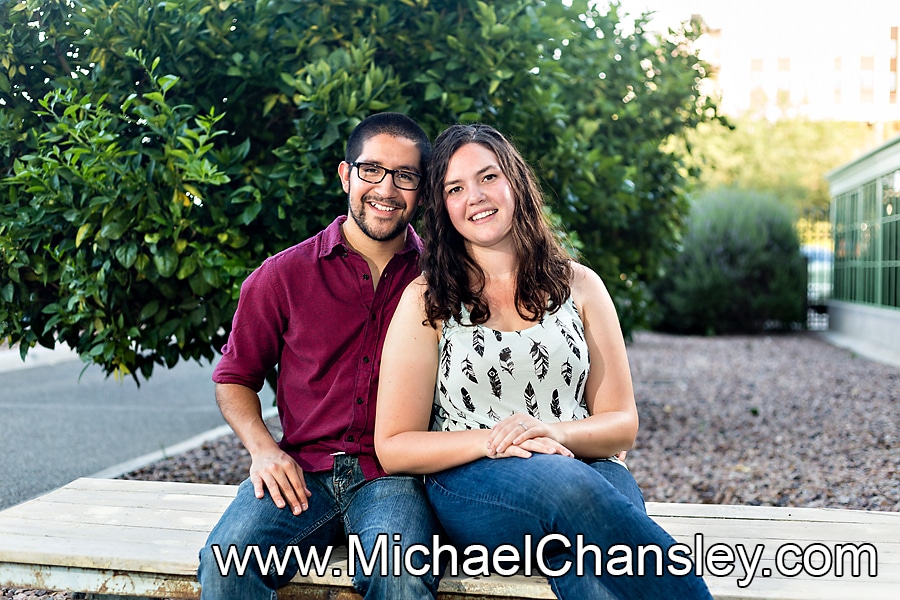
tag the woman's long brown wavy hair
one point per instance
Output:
(454, 278)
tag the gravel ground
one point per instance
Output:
(779, 420)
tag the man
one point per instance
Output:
(320, 310)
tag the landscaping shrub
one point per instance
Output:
(153, 153)
(739, 270)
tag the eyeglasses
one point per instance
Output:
(404, 180)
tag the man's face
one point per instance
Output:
(382, 210)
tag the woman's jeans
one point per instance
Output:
(498, 502)
(342, 503)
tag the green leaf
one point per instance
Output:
(432, 91)
(127, 255)
(331, 135)
(187, 266)
(113, 230)
(149, 309)
(82, 232)
(166, 261)
(250, 213)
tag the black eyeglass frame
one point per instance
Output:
(385, 172)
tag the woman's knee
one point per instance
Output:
(621, 478)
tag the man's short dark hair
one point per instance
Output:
(391, 123)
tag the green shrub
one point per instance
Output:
(153, 153)
(739, 270)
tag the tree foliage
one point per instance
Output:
(153, 153)
(787, 158)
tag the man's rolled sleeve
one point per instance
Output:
(254, 344)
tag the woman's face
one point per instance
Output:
(478, 196)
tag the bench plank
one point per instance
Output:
(140, 538)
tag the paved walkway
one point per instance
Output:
(62, 421)
(888, 356)
(10, 360)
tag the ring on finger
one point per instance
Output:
(523, 425)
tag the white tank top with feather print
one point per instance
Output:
(485, 375)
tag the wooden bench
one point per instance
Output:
(137, 538)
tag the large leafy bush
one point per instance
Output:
(740, 269)
(153, 153)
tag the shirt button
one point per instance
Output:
(372, 316)
(365, 359)
(359, 400)
(350, 438)
(366, 277)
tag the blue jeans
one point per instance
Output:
(342, 503)
(496, 502)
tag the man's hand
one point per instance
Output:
(277, 472)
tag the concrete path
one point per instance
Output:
(58, 424)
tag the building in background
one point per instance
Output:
(815, 59)
(827, 61)
(865, 302)
(839, 68)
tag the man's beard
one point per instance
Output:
(359, 216)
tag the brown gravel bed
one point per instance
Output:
(786, 420)
(779, 420)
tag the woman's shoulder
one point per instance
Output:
(415, 291)
(582, 277)
(412, 302)
(586, 286)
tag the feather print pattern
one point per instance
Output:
(447, 358)
(566, 372)
(467, 399)
(541, 359)
(478, 341)
(496, 384)
(478, 383)
(580, 383)
(579, 329)
(506, 362)
(531, 403)
(568, 337)
(554, 405)
(468, 370)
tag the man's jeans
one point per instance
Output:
(500, 501)
(342, 503)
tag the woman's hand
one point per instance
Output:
(541, 445)
(520, 435)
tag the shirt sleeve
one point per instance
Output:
(257, 335)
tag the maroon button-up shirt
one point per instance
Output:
(312, 310)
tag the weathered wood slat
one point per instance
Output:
(769, 513)
(125, 516)
(138, 538)
(150, 487)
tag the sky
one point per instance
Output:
(769, 16)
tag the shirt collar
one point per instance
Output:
(333, 240)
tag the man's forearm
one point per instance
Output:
(242, 410)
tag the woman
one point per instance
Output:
(506, 349)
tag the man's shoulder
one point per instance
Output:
(308, 251)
